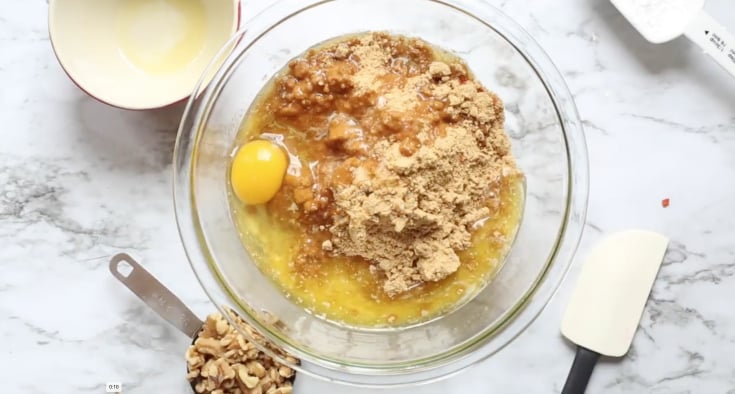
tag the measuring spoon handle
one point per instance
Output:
(155, 295)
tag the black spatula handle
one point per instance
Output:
(579, 375)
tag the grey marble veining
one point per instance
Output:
(80, 181)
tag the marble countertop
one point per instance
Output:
(80, 181)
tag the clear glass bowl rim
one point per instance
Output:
(519, 318)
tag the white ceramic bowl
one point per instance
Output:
(139, 54)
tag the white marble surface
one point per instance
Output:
(80, 181)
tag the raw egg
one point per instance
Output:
(257, 171)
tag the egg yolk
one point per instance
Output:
(257, 171)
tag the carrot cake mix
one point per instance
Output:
(385, 192)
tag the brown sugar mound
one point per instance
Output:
(413, 210)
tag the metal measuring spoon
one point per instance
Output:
(159, 298)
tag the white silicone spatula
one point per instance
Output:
(607, 304)
(660, 21)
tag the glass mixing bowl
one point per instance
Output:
(547, 141)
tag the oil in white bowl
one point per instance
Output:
(161, 36)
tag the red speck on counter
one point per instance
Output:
(665, 203)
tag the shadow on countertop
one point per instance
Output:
(132, 141)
